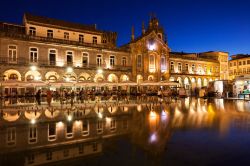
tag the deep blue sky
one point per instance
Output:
(191, 25)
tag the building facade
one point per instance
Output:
(239, 65)
(53, 50)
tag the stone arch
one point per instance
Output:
(186, 82)
(179, 79)
(199, 82)
(70, 76)
(193, 83)
(205, 82)
(151, 78)
(112, 78)
(124, 77)
(139, 78)
(32, 75)
(98, 77)
(12, 74)
(84, 76)
(52, 76)
(210, 79)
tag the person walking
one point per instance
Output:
(49, 97)
(38, 97)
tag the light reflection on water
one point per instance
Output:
(162, 129)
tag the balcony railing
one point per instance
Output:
(54, 40)
(43, 63)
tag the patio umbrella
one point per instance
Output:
(167, 83)
(148, 83)
(105, 83)
(85, 83)
(35, 83)
(12, 83)
(62, 84)
(127, 83)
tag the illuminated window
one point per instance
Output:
(81, 38)
(32, 31)
(85, 127)
(163, 63)
(231, 64)
(33, 55)
(113, 125)
(32, 134)
(69, 130)
(13, 77)
(216, 69)
(99, 126)
(30, 78)
(85, 59)
(52, 131)
(151, 62)
(112, 60)
(124, 61)
(244, 62)
(99, 60)
(179, 67)
(172, 66)
(94, 40)
(50, 33)
(244, 70)
(199, 68)
(234, 63)
(66, 35)
(205, 68)
(12, 53)
(193, 67)
(240, 71)
(52, 57)
(186, 67)
(248, 62)
(239, 63)
(248, 70)
(139, 61)
(69, 58)
(11, 136)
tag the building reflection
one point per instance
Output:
(34, 136)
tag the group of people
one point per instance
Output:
(48, 96)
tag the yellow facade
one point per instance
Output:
(239, 66)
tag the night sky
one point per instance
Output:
(190, 25)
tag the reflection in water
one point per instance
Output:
(54, 134)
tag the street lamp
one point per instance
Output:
(99, 71)
(69, 69)
(33, 68)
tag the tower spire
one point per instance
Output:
(143, 28)
(132, 33)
